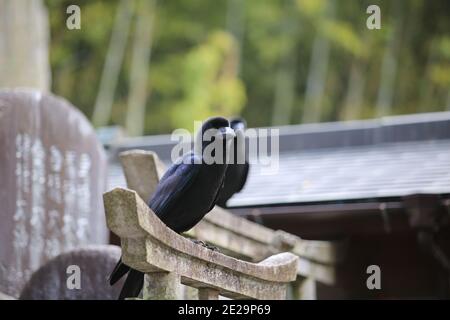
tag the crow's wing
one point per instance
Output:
(243, 177)
(222, 185)
(216, 197)
(174, 184)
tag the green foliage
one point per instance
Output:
(208, 82)
(197, 69)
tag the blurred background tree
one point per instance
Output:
(274, 62)
(24, 38)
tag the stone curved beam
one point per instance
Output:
(151, 247)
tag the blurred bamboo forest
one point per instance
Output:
(152, 66)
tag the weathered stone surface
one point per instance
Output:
(305, 289)
(95, 262)
(234, 235)
(189, 293)
(150, 246)
(52, 177)
(6, 297)
(162, 286)
(142, 171)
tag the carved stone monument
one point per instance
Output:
(78, 274)
(52, 176)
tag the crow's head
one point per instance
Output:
(219, 127)
(215, 130)
(238, 124)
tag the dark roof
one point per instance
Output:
(341, 161)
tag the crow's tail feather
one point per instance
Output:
(133, 285)
(119, 271)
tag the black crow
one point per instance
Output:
(186, 192)
(237, 171)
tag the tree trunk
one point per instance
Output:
(137, 98)
(24, 39)
(355, 93)
(286, 75)
(389, 65)
(317, 76)
(448, 100)
(236, 25)
(113, 63)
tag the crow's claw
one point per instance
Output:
(204, 244)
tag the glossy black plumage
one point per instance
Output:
(237, 172)
(185, 194)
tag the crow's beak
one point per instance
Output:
(227, 133)
(239, 126)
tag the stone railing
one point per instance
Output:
(250, 241)
(169, 259)
(240, 238)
